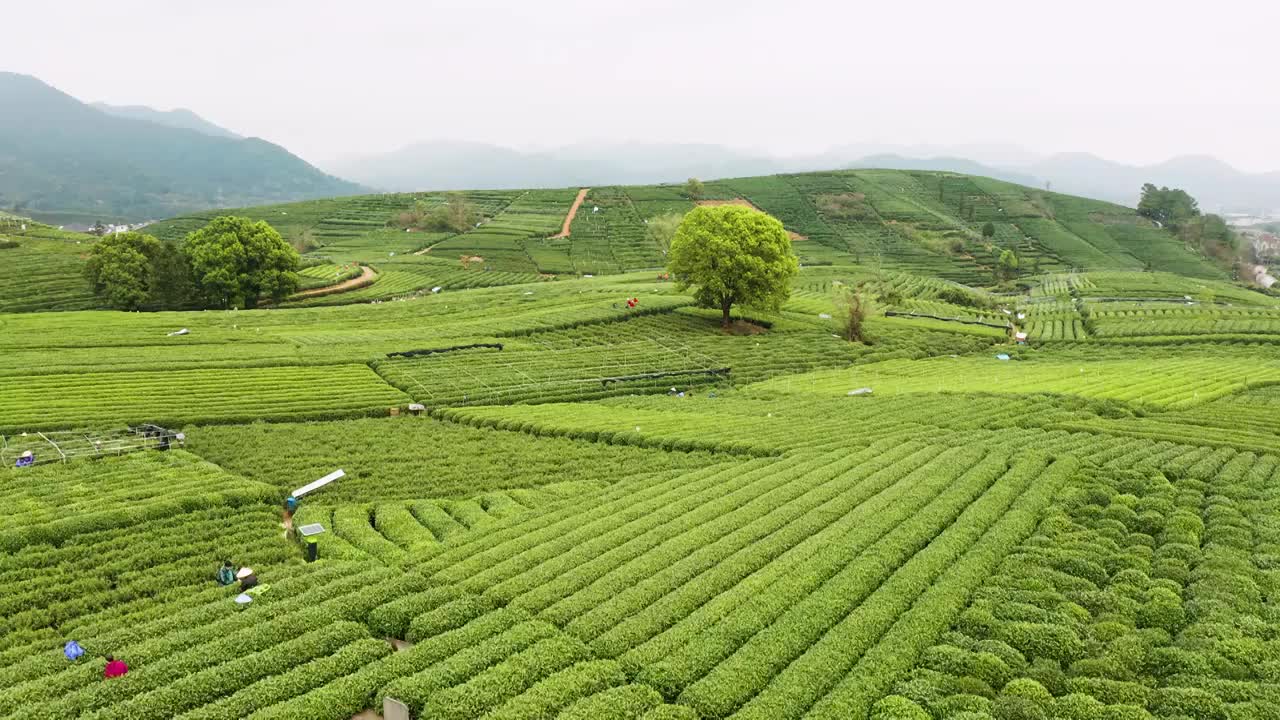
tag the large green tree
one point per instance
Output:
(121, 268)
(235, 261)
(733, 255)
(1169, 207)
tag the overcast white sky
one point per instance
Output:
(1133, 80)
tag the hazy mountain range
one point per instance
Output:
(1218, 186)
(66, 161)
(444, 164)
(447, 164)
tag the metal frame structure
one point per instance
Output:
(613, 364)
(73, 444)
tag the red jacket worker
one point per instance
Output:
(115, 668)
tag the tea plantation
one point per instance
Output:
(607, 511)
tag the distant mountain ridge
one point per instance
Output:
(481, 166)
(446, 164)
(64, 159)
(61, 158)
(178, 118)
(1217, 185)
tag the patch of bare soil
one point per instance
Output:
(573, 211)
(742, 327)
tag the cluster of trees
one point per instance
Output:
(456, 215)
(1176, 210)
(1167, 206)
(231, 262)
(1212, 236)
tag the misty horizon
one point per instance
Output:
(1137, 83)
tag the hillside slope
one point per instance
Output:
(923, 222)
(918, 222)
(65, 161)
(557, 504)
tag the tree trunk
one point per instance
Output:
(724, 308)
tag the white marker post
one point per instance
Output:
(316, 485)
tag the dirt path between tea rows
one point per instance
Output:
(366, 276)
(573, 211)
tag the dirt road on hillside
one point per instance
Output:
(568, 220)
(366, 276)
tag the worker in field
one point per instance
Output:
(72, 650)
(115, 668)
(290, 507)
(26, 460)
(226, 573)
(248, 580)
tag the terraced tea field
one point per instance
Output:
(603, 511)
(926, 224)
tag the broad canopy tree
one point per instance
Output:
(1170, 207)
(235, 261)
(122, 269)
(733, 255)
